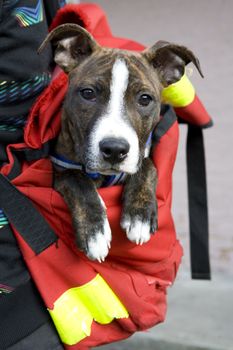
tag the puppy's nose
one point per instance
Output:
(114, 150)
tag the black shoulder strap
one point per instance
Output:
(23, 215)
(197, 192)
(198, 207)
(168, 119)
(25, 318)
(28, 154)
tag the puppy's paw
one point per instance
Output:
(98, 244)
(140, 224)
(137, 231)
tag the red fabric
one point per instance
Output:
(139, 275)
(195, 113)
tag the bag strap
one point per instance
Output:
(29, 155)
(34, 229)
(197, 192)
(198, 204)
(23, 215)
(168, 118)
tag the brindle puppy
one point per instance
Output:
(111, 107)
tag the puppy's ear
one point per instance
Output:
(170, 60)
(72, 44)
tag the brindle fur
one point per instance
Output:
(88, 64)
(142, 205)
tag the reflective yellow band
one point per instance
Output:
(179, 94)
(76, 309)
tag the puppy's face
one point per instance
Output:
(113, 104)
(113, 99)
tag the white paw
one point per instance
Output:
(137, 231)
(99, 244)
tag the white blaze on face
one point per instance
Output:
(119, 83)
(114, 122)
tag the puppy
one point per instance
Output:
(110, 111)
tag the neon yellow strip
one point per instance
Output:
(76, 309)
(179, 94)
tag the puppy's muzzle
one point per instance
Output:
(114, 150)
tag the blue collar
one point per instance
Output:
(63, 163)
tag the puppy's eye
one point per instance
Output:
(144, 100)
(88, 94)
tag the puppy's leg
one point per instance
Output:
(92, 230)
(139, 217)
